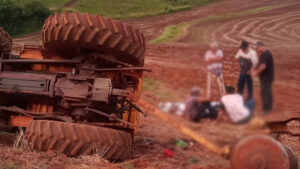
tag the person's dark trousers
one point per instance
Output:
(245, 79)
(266, 96)
(206, 110)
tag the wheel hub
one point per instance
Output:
(262, 152)
(258, 162)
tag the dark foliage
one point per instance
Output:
(19, 20)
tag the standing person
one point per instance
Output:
(214, 58)
(248, 60)
(265, 71)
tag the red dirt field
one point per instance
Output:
(179, 65)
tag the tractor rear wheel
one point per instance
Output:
(5, 42)
(79, 139)
(70, 34)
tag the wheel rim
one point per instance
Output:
(262, 152)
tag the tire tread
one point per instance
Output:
(61, 32)
(78, 139)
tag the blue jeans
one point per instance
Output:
(245, 79)
(250, 104)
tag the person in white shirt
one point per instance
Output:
(233, 104)
(248, 61)
(214, 58)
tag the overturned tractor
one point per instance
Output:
(75, 94)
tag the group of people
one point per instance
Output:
(233, 103)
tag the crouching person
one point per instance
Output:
(198, 107)
(234, 107)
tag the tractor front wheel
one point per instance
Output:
(79, 139)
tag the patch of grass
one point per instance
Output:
(173, 31)
(170, 33)
(124, 9)
(28, 26)
(151, 84)
(8, 166)
(160, 90)
(118, 9)
(20, 140)
(70, 10)
(193, 160)
(53, 4)
(128, 165)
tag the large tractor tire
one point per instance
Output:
(68, 34)
(78, 139)
(5, 42)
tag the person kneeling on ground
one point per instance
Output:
(197, 107)
(233, 104)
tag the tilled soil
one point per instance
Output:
(179, 65)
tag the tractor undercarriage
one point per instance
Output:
(77, 95)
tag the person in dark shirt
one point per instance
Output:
(198, 107)
(265, 71)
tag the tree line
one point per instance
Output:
(19, 19)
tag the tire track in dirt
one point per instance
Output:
(31, 39)
(273, 29)
(154, 26)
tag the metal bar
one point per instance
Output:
(1, 63)
(120, 92)
(105, 124)
(110, 59)
(108, 116)
(22, 78)
(6, 133)
(41, 61)
(25, 112)
(145, 114)
(36, 115)
(118, 69)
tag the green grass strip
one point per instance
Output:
(129, 9)
(173, 31)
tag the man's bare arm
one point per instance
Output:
(223, 116)
(252, 69)
(215, 60)
(220, 114)
(260, 69)
(204, 99)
